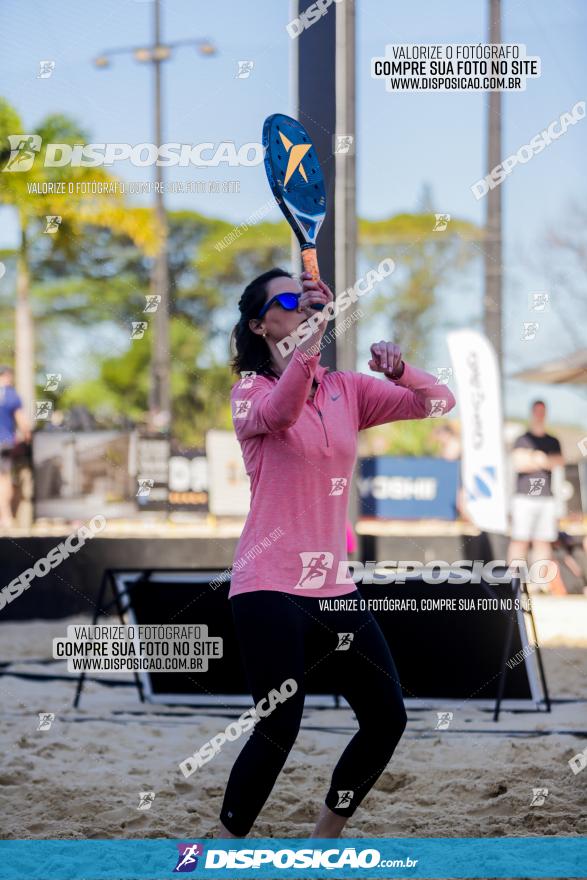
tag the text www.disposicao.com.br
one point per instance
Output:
(135, 664)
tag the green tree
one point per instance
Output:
(32, 208)
(425, 260)
(103, 283)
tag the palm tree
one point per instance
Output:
(75, 210)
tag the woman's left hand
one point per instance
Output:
(386, 358)
(313, 291)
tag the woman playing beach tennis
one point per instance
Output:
(298, 426)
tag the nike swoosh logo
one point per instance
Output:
(335, 396)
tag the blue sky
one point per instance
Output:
(403, 140)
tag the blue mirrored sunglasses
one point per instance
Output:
(287, 301)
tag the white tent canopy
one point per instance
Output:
(571, 369)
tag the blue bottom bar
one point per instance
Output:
(411, 857)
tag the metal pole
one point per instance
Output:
(159, 392)
(345, 221)
(316, 47)
(492, 302)
(294, 88)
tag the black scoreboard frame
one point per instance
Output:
(527, 675)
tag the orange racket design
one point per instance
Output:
(297, 183)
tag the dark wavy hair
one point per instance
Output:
(249, 351)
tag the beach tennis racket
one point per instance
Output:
(297, 183)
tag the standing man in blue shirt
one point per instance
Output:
(12, 416)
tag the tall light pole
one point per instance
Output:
(492, 300)
(156, 54)
(159, 390)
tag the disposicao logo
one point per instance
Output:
(187, 858)
(25, 148)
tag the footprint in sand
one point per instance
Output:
(50, 749)
(300, 813)
(37, 828)
(495, 790)
(11, 779)
(390, 783)
(213, 790)
(183, 787)
(140, 818)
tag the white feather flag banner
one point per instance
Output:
(483, 471)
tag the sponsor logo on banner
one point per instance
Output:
(228, 483)
(483, 458)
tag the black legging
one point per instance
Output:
(282, 637)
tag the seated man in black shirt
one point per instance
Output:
(534, 516)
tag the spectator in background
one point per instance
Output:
(534, 516)
(11, 417)
(449, 442)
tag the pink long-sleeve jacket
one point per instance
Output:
(300, 455)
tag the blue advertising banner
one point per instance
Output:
(408, 488)
(470, 857)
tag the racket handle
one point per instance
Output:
(310, 264)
